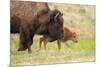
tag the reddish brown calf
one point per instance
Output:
(68, 35)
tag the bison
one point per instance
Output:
(30, 18)
(68, 35)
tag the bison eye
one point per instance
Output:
(61, 14)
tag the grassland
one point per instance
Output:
(82, 51)
(79, 18)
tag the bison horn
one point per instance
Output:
(55, 18)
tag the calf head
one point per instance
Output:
(74, 37)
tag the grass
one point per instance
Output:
(82, 51)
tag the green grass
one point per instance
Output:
(82, 51)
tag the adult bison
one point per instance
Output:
(30, 18)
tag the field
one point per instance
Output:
(79, 18)
(82, 51)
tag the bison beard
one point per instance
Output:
(28, 19)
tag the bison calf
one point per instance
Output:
(68, 35)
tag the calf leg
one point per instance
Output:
(45, 43)
(41, 40)
(44, 40)
(59, 44)
(26, 39)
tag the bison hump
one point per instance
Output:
(26, 9)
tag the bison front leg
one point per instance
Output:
(29, 46)
(22, 40)
(29, 41)
(26, 40)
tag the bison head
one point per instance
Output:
(55, 26)
(51, 24)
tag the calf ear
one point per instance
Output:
(74, 32)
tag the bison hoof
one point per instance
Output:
(21, 49)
